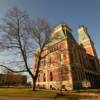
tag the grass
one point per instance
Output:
(25, 92)
(22, 92)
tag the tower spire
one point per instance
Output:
(85, 40)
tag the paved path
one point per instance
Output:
(96, 97)
(32, 98)
(29, 98)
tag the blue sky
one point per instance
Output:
(73, 12)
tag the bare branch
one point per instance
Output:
(7, 67)
(24, 37)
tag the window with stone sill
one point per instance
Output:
(49, 60)
(44, 77)
(51, 76)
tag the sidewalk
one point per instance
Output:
(32, 98)
(29, 98)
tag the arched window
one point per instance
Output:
(39, 78)
(51, 76)
(44, 78)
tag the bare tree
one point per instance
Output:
(21, 38)
(40, 32)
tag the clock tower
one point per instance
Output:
(85, 40)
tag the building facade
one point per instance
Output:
(12, 80)
(69, 65)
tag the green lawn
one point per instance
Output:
(39, 93)
(25, 92)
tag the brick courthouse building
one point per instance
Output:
(69, 64)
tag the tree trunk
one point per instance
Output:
(34, 85)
